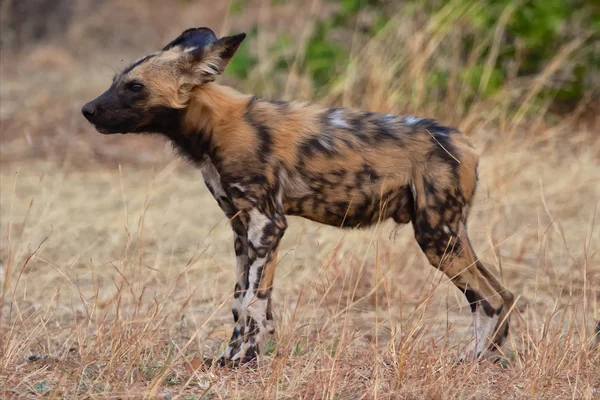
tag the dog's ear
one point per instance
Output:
(201, 55)
(205, 63)
(192, 38)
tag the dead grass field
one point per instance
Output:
(116, 265)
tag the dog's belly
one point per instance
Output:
(352, 210)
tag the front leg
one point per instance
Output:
(265, 230)
(240, 241)
(239, 225)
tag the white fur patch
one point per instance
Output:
(389, 117)
(337, 120)
(411, 120)
(484, 328)
(253, 277)
(413, 189)
(256, 225)
(325, 142)
(238, 187)
(256, 308)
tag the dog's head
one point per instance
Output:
(150, 93)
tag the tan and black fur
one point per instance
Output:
(263, 160)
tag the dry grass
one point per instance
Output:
(117, 265)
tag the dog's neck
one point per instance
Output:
(212, 106)
(209, 118)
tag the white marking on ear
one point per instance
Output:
(208, 67)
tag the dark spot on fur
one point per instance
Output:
(264, 134)
(472, 298)
(137, 63)
(237, 292)
(251, 354)
(475, 300)
(317, 145)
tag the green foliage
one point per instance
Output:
(535, 30)
(41, 387)
(321, 59)
(302, 346)
(270, 347)
(534, 33)
(323, 56)
(538, 28)
(473, 77)
(349, 7)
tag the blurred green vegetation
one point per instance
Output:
(531, 33)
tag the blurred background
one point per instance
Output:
(95, 228)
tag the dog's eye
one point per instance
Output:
(136, 87)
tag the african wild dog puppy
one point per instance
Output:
(263, 160)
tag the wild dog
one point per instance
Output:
(263, 160)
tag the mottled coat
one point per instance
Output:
(263, 160)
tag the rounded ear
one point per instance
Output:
(206, 62)
(192, 38)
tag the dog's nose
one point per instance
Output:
(88, 110)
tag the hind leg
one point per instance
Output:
(507, 296)
(447, 248)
